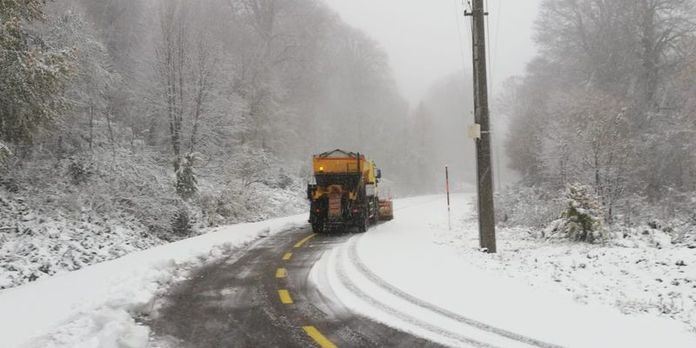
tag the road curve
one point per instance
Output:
(263, 297)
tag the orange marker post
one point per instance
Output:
(449, 221)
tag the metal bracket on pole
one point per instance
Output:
(468, 13)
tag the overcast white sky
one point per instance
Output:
(423, 42)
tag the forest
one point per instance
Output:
(125, 124)
(609, 103)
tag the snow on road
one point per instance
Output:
(94, 306)
(406, 273)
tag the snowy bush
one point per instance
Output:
(251, 166)
(10, 184)
(526, 206)
(5, 153)
(186, 183)
(181, 223)
(583, 216)
(283, 180)
(79, 170)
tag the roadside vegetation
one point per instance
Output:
(609, 103)
(601, 133)
(126, 124)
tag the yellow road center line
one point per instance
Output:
(321, 340)
(285, 296)
(287, 256)
(304, 240)
(281, 273)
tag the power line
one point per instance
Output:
(497, 28)
(467, 7)
(488, 50)
(491, 84)
(459, 34)
(495, 52)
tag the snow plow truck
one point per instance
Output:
(345, 193)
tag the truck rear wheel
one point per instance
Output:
(363, 223)
(318, 228)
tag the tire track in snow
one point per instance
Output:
(345, 280)
(377, 280)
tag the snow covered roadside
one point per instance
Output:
(640, 274)
(423, 274)
(94, 306)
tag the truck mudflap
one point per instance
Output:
(386, 209)
(335, 209)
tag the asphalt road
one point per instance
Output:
(262, 297)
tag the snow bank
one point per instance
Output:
(447, 279)
(94, 306)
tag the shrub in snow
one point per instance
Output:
(181, 223)
(79, 170)
(526, 206)
(252, 166)
(186, 184)
(9, 184)
(5, 152)
(583, 216)
(284, 181)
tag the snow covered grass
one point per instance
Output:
(561, 293)
(96, 306)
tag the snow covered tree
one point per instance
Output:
(186, 184)
(32, 74)
(184, 70)
(609, 101)
(89, 90)
(181, 222)
(251, 165)
(583, 218)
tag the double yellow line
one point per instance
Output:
(285, 298)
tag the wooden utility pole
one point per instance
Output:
(484, 167)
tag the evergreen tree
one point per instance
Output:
(582, 219)
(181, 223)
(186, 183)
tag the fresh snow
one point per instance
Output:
(45, 231)
(96, 306)
(412, 273)
(433, 282)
